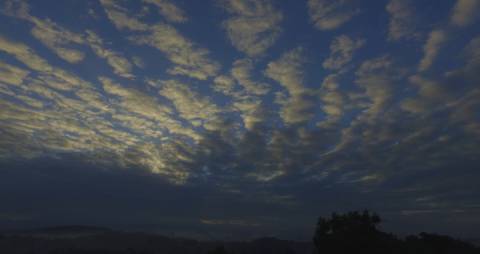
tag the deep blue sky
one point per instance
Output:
(239, 118)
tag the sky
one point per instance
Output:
(234, 119)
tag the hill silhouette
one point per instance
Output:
(353, 232)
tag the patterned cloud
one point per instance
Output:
(278, 106)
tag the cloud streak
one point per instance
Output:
(402, 20)
(329, 15)
(435, 41)
(254, 27)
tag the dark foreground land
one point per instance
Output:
(347, 233)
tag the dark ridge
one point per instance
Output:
(353, 232)
(73, 229)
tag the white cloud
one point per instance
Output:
(58, 39)
(431, 94)
(402, 20)
(251, 111)
(375, 76)
(329, 15)
(254, 27)
(465, 12)
(241, 71)
(190, 59)
(189, 103)
(224, 84)
(25, 55)
(137, 101)
(120, 65)
(52, 35)
(288, 71)
(170, 11)
(342, 49)
(333, 100)
(55, 77)
(11, 74)
(121, 18)
(435, 41)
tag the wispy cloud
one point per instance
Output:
(432, 46)
(288, 71)
(169, 10)
(254, 27)
(190, 60)
(465, 12)
(329, 15)
(119, 64)
(402, 24)
(342, 49)
(11, 74)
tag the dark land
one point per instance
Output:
(354, 232)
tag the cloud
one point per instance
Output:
(252, 111)
(435, 41)
(138, 61)
(254, 27)
(56, 39)
(342, 49)
(329, 15)
(11, 74)
(224, 84)
(78, 123)
(53, 36)
(472, 51)
(34, 103)
(241, 71)
(402, 20)
(136, 101)
(25, 55)
(276, 140)
(333, 99)
(190, 104)
(247, 96)
(376, 76)
(87, 132)
(464, 12)
(121, 18)
(169, 10)
(54, 77)
(120, 65)
(59, 40)
(430, 95)
(288, 72)
(190, 59)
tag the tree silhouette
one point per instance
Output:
(357, 232)
(351, 232)
(218, 250)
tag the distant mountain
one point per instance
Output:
(67, 231)
(98, 240)
(474, 241)
(81, 239)
(73, 229)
